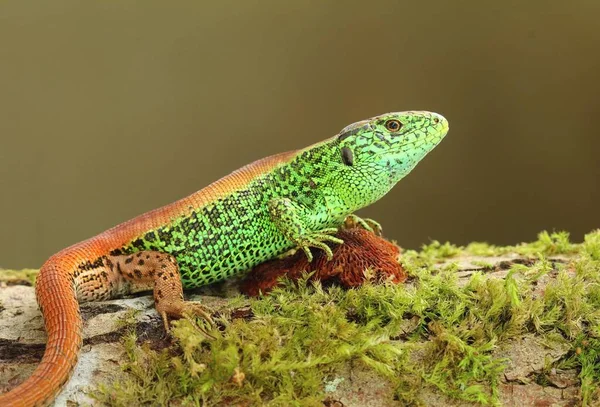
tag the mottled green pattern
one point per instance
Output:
(322, 184)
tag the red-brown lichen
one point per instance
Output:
(362, 256)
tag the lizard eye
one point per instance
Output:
(347, 156)
(393, 125)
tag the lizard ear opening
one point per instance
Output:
(347, 156)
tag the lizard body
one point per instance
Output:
(293, 199)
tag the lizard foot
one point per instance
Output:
(366, 223)
(190, 311)
(317, 240)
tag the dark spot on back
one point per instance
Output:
(138, 244)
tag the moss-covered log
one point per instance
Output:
(513, 326)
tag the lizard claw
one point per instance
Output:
(189, 310)
(199, 327)
(366, 223)
(318, 240)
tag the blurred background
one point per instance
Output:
(109, 109)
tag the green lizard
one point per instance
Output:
(294, 199)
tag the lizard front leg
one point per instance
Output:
(159, 269)
(292, 220)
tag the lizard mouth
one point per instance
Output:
(397, 153)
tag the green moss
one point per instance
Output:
(24, 276)
(485, 249)
(591, 245)
(433, 333)
(549, 244)
(440, 251)
(588, 356)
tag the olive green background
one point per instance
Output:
(111, 108)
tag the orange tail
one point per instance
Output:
(57, 299)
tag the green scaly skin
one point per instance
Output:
(300, 203)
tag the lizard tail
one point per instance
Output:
(57, 299)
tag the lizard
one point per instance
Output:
(296, 199)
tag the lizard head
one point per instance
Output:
(374, 154)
